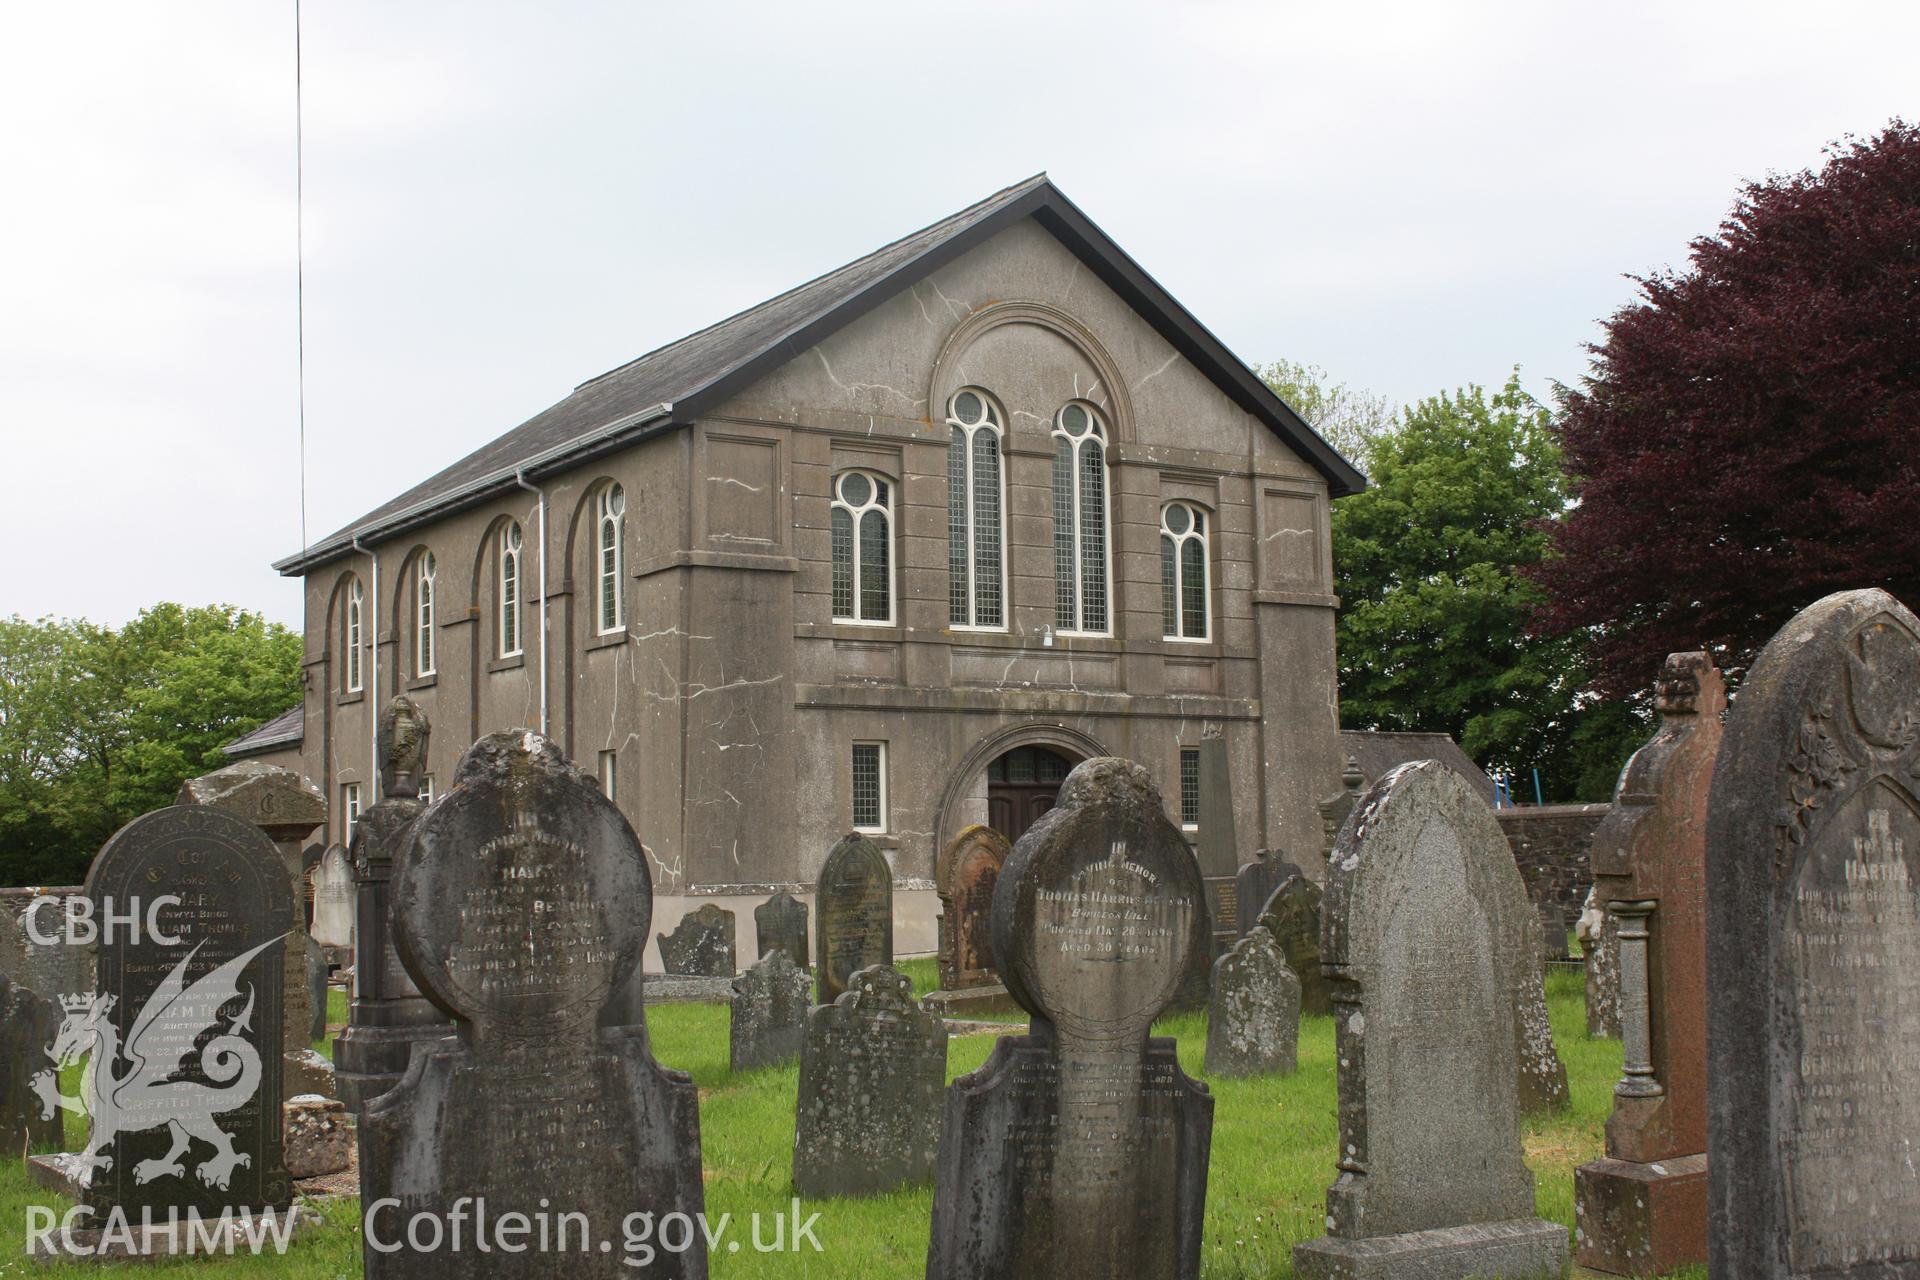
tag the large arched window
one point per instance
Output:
(976, 584)
(862, 516)
(352, 633)
(1080, 520)
(1183, 571)
(612, 537)
(507, 559)
(423, 615)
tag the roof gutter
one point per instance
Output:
(503, 480)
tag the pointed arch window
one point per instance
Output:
(351, 635)
(1080, 520)
(862, 515)
(508, 560)
(976, 522)
(423, 615)
(612, 540)
(1183, 571)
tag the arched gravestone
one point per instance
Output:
(1292, 916)
(1253, 1019)
(333, 895)
(1254, 883)
(1813, 953)
(186, 1079)
(780, 924)
(521, 906)
(29, 1023)
(53, 966)
(767, 1016)
(854, 896)
(1080, 1149)
(1428, 938)
(873, 1067)
(1643, 1208)
(701, 945)
(964, 875)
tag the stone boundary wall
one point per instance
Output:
(1553, 845)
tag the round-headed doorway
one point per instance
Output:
(1023, 784)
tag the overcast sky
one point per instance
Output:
(505, 199)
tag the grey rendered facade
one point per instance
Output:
(728, 695)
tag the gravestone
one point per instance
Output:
(1217, 847)
(186, 1026)
(964, 875)
(1253, 1020)
(780, 924)
(855, 898)
(1553, 933)
(316, 992)
(872, 1072)
(1254, 884)
(1429, 940)
(1543, 1077)
(1599, 935)
(51, 965)
(286, 808)
(767, 1017)
(29, 1022)
(521, 907)
(1643, 1208)
(1813, 953)
(1335, 808)
(333, 897)
(701, 946)
(1080, 1149)
(1292, 916)
(386, 1014)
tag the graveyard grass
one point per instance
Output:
(1273, 1148)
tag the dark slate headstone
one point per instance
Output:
(964, 875)
(316, 991)
(1080, 1149)
(872, 1071)
(768, 1013)
(702, 944)
(186, 1074)
(854, 896)
(1429, 940)
(780, 924)
(1813, 953)
(52, 965)
(386, 1014)
(521, 906)
(1253, 1020)
(1292, 916)
(1255, 883)
(1643, 1208)
(28, 1024)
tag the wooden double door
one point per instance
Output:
(1021, 786)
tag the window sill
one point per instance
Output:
(882, 839)
(607, 639)
(348, 699)
(507, 664)
(426, 681)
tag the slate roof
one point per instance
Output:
(668, 387)
(1379, 751)
(285, 729)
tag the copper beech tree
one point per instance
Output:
(1749, 438)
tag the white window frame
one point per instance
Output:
(856, 514)
(1180, 795)
(994, 421)
(423, 615)
(350, 810)
(426, 788)
(1205, 538)
(610, 558)
(880, 765)
(1096, 432)
(507, 584)
(609, 775)
(353, 637)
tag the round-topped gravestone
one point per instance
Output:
(965, 874)
(855, 899)
(521, 902)
(1080, 1149)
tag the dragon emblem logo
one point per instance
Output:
(133, 1087)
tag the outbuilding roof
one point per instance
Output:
(286, 729)
(670, 387)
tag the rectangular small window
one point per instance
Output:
(609, 776)
(426, 789)
(870, 786)
(350, 807)
(1190, 787)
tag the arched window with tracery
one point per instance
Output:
(1183, 571)
(424, 586)
(976, 525)
(507, 584)
(352, 637)
(612, 522)
(1080, 520)
(862, 516)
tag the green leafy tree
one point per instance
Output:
(1433, 630)
(98, 726)
(1350, 418)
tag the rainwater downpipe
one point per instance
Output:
(373, 689)
(520, 478)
